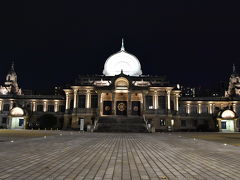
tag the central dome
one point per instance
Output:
(122, 61)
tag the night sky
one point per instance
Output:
(191, 42)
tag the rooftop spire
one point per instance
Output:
(12, 67)
(234, 68)
(122, 48)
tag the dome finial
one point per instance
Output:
(122, 48)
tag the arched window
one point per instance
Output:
(121, 83)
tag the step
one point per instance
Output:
(121, 124)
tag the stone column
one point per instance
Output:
(155, 100)
(34, 106)
(234, 107)
(176, 105)
(11, 105)
(113, 103)
(199, 109)
(88, 99)
(210, 109)
(45, 106)
(141, 104)
(56, 105)
(221, 106)
(144, 102)
(100, 103)
(1, 103)
(188, 110)
(129, 104)
(75, 98)
(67, 107)
(168, 100)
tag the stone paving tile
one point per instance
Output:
(118, 156)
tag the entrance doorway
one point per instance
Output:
(136, 108)
(227, 125)
(107, 107)
(121, 108)
(17, 123)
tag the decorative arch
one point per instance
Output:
(122, 82)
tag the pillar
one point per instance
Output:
(100, 103)
(142, 103)
(188, 110)
(45, 106)
(75, 98)
(34, 106)
(199, 109)
(113, 103)
(210, 108)
(129, 104)
(168, 100)
(155, 100)
(234, 107)
(88, 99)
(67, 106)
(11, 105)
(1, 104)
(56, 106)
(176, 105)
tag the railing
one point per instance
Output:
(59, 97)
(86, 110)
(209, 98)
(146, 124)
(156, 111)
(95, 124)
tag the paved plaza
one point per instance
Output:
(73, 155)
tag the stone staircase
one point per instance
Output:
(121, 124)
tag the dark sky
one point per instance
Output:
(191, 42)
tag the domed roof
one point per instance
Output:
(17, 111)
(228, 114)
(122, 61)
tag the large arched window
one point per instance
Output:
(121, 83)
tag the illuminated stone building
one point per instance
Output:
(124, 99)
(19, 111)
(234, 84)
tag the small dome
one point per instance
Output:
(122, 61)
(228, 114)
(17, 111)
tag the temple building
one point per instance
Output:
(11, 84)
(122, 99)
(234, 84)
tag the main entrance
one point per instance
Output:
(121, 108)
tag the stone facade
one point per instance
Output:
(125, 94)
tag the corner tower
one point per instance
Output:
(11, 84)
